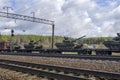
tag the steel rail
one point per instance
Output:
(74, 56)
(41, 73)
(95, 73)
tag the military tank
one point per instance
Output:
(70, 44)
(33, 45)
(114, 44)
(13, 46)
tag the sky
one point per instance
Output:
(73, 18)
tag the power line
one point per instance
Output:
(31, 19)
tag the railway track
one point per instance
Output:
(57, 72)
(75, 56)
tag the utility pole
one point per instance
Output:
(53, 27)
(7, 8)
(0, 36)
(33, 15)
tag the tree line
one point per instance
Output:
(96, 40)
(47, 39)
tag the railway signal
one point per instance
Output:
(12, 33)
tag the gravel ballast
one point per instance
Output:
(110, 66)
(6, 74)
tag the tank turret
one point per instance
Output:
(114, 44)
(70, 44)
(33, 45)
(38, 45)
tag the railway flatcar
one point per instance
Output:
(112, 46)
(4, 44)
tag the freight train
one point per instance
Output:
(65, 46)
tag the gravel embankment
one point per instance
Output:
(111, 66)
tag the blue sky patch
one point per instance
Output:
(106, 2)
(13, 3)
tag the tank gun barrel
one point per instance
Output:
(36, 42)
(82, 37)
(79, 38)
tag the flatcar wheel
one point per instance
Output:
(89, 52)
(28, 51)
(83, 52)
(52, 52)
(47, 52)
(108, 53)
(98, 53)
(58, 52)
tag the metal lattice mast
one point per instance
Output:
(31, 19)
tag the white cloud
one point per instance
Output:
(11, 24)
(115, 13)
(4, 3)
(72, 17)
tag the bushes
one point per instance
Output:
(96, 40)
